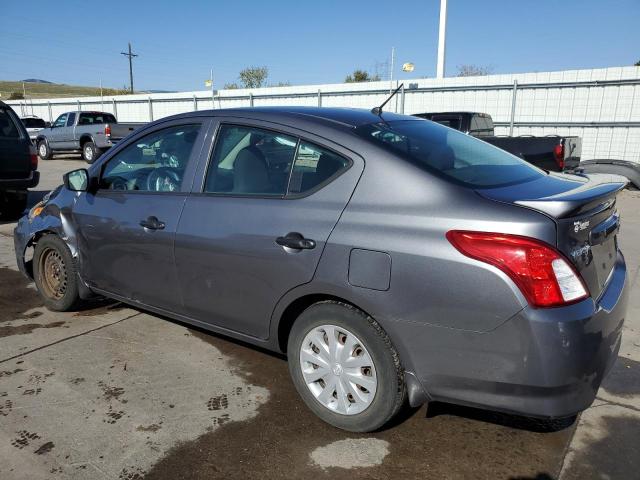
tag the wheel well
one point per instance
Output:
(30, 249)
(293, 311)
(84, 140)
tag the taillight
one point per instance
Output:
(107, 130)
(543, 275)
(34, 161)
(558, 154)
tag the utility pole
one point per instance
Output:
(130, 55)
(442, 38)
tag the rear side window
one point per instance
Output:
(450, 154)
(33, 123)
(8, 127)
(91, 118)
(313, 166)
(250, 161)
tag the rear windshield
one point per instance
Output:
(453, 155)
(33, 122)
(8, 125)
(90, 118)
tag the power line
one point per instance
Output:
(130, 55)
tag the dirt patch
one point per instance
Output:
(150, 428)
(44, 448)
(110, 392)
(10, 330)
(278, 442)
(16, 297)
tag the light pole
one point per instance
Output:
(442, 39)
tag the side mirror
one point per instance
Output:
(47, 125)
(76, 180)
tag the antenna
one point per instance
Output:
(378, 110)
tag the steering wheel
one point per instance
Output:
(163, 179)
(118, 183)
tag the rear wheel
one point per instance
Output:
(345, 368)
(44, 152)
(90, 152)
(54, 272)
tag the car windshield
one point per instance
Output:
(33, 122)
(450, 154)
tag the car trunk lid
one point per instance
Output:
(584, 210)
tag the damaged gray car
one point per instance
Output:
(390, 258)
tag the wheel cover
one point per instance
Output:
(53, 273)
(43, 150)
(338, 369)
(88, 153)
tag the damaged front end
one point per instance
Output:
(50, 216)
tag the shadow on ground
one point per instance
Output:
(451, 442)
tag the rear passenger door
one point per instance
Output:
(256, 226)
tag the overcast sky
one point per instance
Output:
(79, 42)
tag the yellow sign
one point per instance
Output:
(408, 67)
(208, 83)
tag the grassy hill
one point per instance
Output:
(54, 90)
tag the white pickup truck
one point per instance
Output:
(88, 132)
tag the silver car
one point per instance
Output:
(392, 259)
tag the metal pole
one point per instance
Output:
(79, 106)
(251, 99)
(213, 101)
(513, 107)
(195, 103)
(319, 98)
(101, 97)
(442, 38)
(151, 109)
(402, 100)
(115, 108)
(50, 114)
(393, 57)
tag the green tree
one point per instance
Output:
(361, 76)
(254, 77)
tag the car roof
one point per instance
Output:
(346, 117)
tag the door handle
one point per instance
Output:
(152, 223)
(296, 241)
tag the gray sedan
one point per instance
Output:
(392, 259)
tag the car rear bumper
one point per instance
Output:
(541, 362)
(20, 183)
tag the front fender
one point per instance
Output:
(55, 219)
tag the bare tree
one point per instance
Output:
(231, 86)
(470, 70)
(254, 77)
(637, 64)
(361, 76)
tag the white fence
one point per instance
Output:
(602, 105)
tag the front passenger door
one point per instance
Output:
(127, 227)
(57, 129)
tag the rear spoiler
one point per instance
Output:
(598, 193)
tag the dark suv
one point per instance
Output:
(18, 164)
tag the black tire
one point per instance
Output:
(391, 391)
(44, 152)
(13, 204)
(90, 153)
(66, 297)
